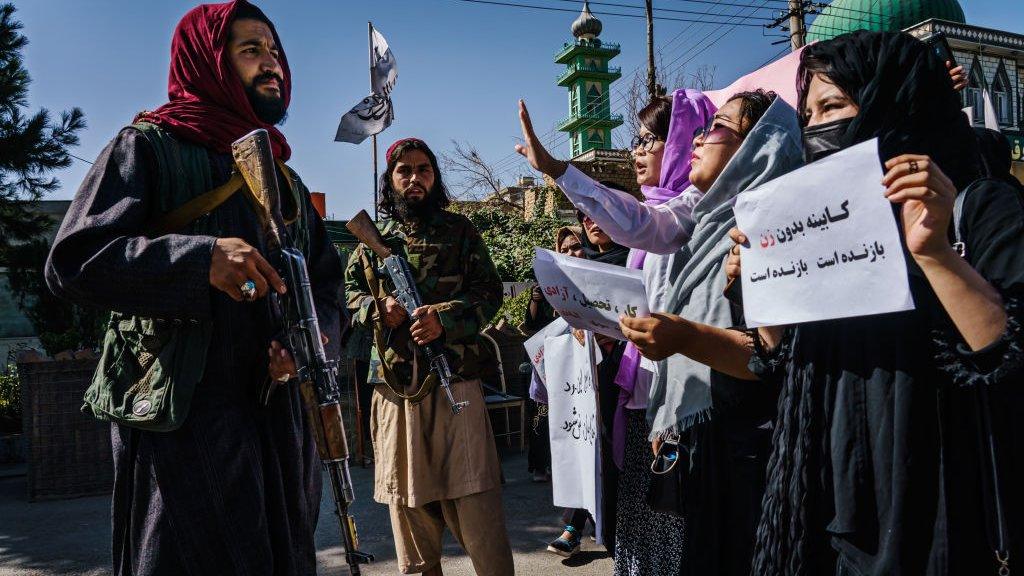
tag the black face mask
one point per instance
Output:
(824, 139)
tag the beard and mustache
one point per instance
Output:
(269, 109)
(415, 208)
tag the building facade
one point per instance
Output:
(993, 59)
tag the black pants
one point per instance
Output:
(577, 518)
(538, 448)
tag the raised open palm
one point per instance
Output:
(532, 149)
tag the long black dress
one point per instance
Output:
(236, 489)
(875, 466)
(728, 457)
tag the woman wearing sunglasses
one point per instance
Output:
(753, 138)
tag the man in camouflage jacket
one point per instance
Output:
(433, 468)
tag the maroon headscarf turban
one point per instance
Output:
(207, 103)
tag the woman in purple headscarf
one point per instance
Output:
(751, 139)
(646, 540)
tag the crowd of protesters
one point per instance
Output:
(872, 445)
(883, 444)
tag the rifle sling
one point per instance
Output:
(195, 208)
(390, 390)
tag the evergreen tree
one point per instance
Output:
(32, 145)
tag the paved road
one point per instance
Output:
(71, 537)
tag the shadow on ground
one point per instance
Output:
(72, 537)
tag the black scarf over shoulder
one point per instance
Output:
(856, 385)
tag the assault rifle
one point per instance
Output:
(397, 269)
(295, 310)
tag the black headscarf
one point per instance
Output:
(615, 254)
(906, 99)
(905, 96)
(995, 156)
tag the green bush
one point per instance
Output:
(10, 395)
(510, 240)
(514, 309)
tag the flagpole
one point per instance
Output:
(376, 216)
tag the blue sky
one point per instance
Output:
(462, 67)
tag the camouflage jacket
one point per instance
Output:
(454, 273)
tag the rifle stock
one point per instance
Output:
(364, 229)
(255, 161)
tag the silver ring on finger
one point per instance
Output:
(913, 166)
(248, 289)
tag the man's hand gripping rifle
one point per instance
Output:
(296, 312)
(397, 269)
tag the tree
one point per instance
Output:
(59, 324)
(475, 176)
(31, 144)
(636, 95)
(510, 239)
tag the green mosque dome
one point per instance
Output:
(842, 16)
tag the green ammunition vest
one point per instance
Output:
(149, 367)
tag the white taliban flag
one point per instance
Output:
(375, 112)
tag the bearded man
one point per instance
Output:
(208, 480)
(433, 468)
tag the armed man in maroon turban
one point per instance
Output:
(208, 479)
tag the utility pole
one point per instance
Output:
(796, 13)
(652, 77)
(797, 26)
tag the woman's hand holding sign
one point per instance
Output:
(927, 196)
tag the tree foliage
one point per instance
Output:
(59, 324)
(32, 145)
(510, 239)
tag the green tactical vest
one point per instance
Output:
(149, 367)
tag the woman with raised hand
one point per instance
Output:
(644, 538)
(704, 388)
(898, 434)
(769, 148)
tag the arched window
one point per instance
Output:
(1002, 96)
(594, 99)
(973, 92)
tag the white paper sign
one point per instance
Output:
(535, 344)
(823, 243)
(573, 424)
(590, 295)
(513, 289)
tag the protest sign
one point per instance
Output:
(573, 423)
(535, 344)
(590, 295)
(513, 289)
(823, 243)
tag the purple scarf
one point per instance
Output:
(691, 110)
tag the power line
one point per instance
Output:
(641, 8)
(552, 136)
(734, 4)
(694, 51)
(551, 8)
(80, 159)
